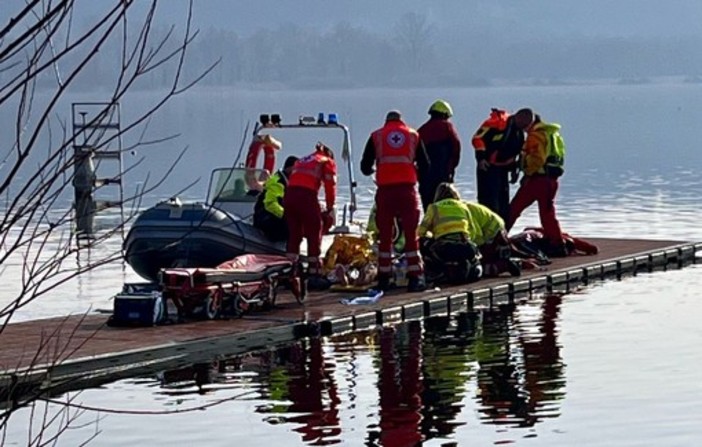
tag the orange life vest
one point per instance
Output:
(497, 121)
(395, 149)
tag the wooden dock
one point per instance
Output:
(59, 354)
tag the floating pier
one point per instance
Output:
(55, 355)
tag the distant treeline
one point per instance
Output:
(411, 53)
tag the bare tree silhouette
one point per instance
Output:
(415, 36)
(45, 52)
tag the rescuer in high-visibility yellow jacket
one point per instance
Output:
(543, 161)
(268, 210)
(451, 220)
(445, 238)
(449, 216)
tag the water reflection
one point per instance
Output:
(305, 380)
(520, 374)
(400, 387)
(428, 377)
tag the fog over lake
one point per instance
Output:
(612, 363)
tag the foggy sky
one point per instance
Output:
(356, 43)
(536, 18)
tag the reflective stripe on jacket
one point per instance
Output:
(486, 223)
(395, 150)
(313, 170)
(448, 216)
(496, 140)
(497, 121)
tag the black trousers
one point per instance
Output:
(453, 261)
(493, 189)
(275, 229)
(427, 188)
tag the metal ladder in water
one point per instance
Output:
(97, 147)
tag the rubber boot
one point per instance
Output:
(318, 282)
(383, 283)
(513, 268)
(416, 284)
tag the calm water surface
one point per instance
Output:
(617, 363)
(614, 364)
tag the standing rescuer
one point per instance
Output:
(542, 162)
(497, 143)
(268, 210)
(443, 150)
(302, 211)
(396, 150)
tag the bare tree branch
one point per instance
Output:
(44, 54)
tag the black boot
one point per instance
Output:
(318, 282)
(383, 283)
(514, 268)
(416, 284)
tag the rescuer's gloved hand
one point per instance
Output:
(483, 165)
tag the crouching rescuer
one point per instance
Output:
(458, 221)
(303, 213)
(445, 239)
(395, 149)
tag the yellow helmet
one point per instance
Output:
(441, 106)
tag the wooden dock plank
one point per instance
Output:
(84, 344)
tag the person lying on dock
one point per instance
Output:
(536, 242)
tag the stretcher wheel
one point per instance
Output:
(213, 304)
(239, 305)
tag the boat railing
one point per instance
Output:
(268, 123)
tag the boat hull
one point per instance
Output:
(190, 235)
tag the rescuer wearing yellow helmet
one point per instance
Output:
(443, 148)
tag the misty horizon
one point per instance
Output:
(360, 44)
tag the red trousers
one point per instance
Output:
(402, 202)
(304, 217)
(541, 189)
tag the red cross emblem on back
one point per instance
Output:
(395, 139)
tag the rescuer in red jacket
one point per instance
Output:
(303, 214)
(396, 150)
(443, 149)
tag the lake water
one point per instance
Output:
(614, 363)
